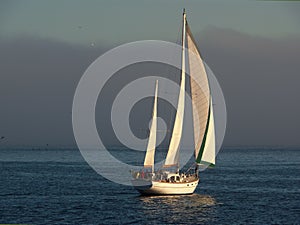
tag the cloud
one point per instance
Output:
(260, 79)
(259, 76)
(37, 83)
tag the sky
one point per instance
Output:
(253, 47)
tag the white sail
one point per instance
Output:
(168, 181)
(173, 152)
(209, 153)
(200, 94)
(149, 158)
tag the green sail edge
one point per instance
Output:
(198, 160)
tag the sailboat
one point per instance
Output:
(169, 180)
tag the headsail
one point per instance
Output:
(149, 158)
(202, 109)
(173, 152)
(209, 153)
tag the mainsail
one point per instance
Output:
(172, 158)
(149, 158)
(201, 102)
(202, 107)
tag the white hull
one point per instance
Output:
(147, 187)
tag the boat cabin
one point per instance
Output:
(173, 177)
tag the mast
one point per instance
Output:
(149, 158)
(172, 158)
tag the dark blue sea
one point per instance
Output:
(248, 186)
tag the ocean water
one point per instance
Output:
(248, 186)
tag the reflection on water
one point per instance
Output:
(179, 209)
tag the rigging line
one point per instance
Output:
(183, 69)
(172, 117)
(190, 168)
(168, 74)
(141, 129)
